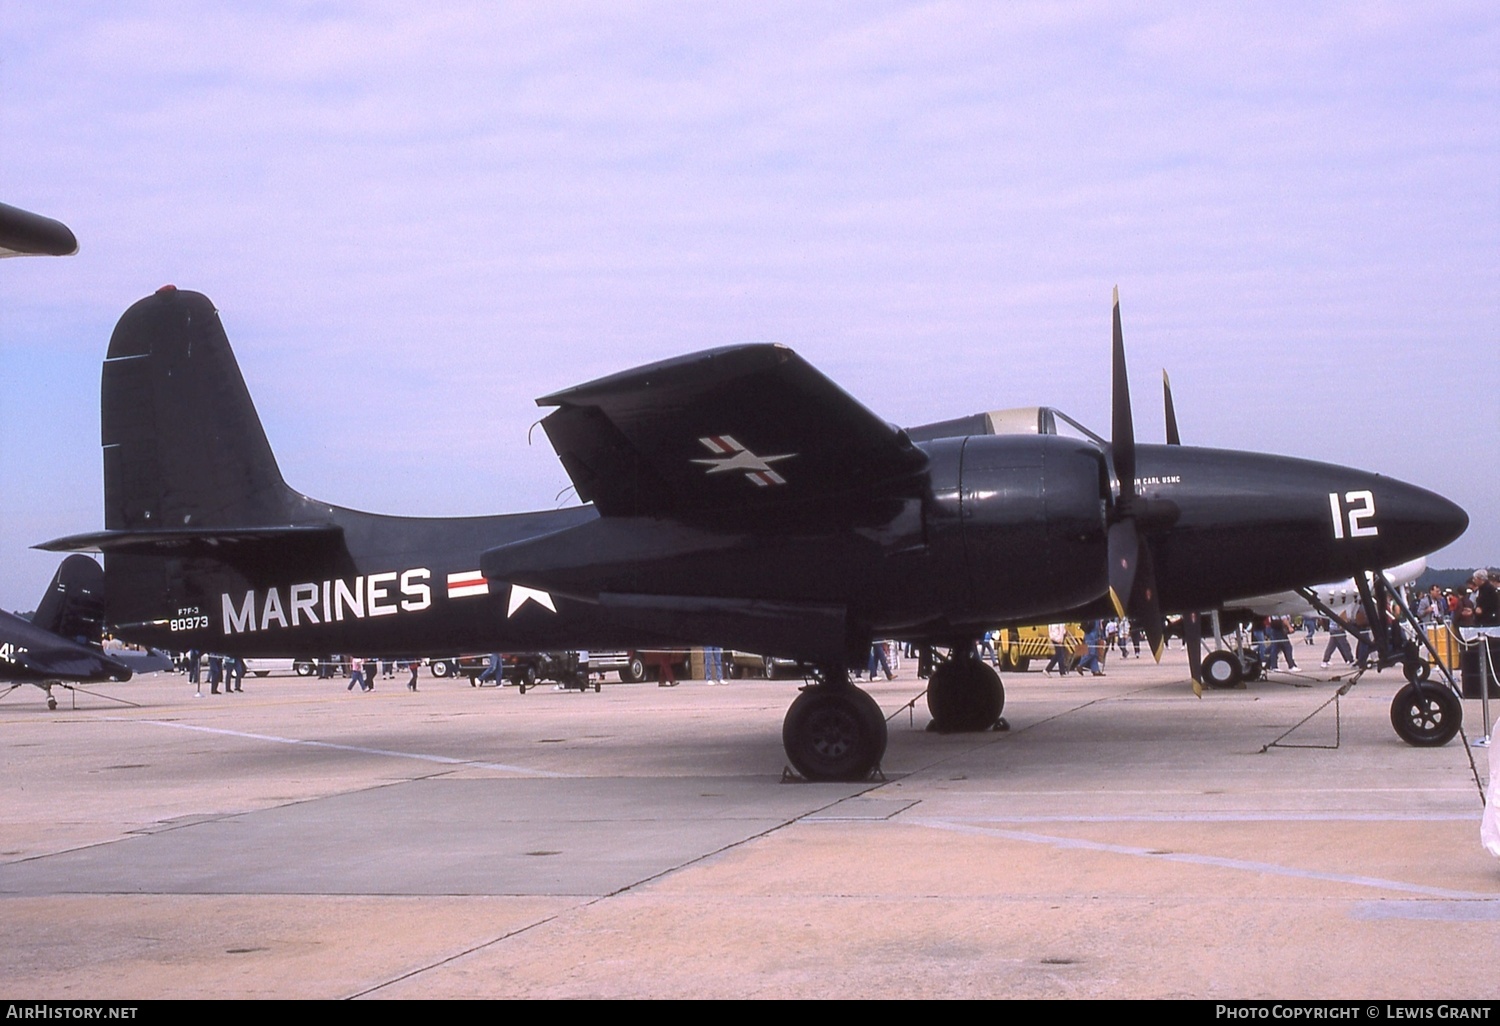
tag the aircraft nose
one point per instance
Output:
(1421, 521)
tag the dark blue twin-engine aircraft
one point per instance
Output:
(734, 497)
(60, 645)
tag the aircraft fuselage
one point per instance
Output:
(1003, 529)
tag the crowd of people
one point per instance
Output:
(1475, 605)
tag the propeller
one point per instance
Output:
(1132, 573)
(1192, 623)
(1173, 438)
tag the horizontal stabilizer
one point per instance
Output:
(725, 435)
(190, 540)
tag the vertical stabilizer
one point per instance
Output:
(183, 446)
(73, 606)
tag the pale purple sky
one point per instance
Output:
(414, 222)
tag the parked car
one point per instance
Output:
(634, 665)
(308, 665)
(750, 664)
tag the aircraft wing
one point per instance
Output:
(27, 652)
(23, 233)
(750, 431)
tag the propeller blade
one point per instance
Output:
(1132, 582)
(1173, 438)
(1122, 428)
(1145, 604)
(1124, 546)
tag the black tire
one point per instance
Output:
(262, 673)
(1221, 670)
(634, 671)
(1023, 664)
(770, 665)
(834, 733)
(964, 695)
(1251, 666)
(304, 668)
(528, 677)
(1426, 715)
(1416, 669)
(443, 668)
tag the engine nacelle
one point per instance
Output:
(1008, 514)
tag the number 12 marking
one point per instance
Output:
(1350, 514)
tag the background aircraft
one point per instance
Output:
(1340, 595)
(23, 233)
(736, 497)
(1226, 667)
(61, 642)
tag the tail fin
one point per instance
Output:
(183, 446)
(73, 606)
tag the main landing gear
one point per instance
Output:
(964, 694)
(44, 685)
(834, 731)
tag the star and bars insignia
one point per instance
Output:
(730, 455)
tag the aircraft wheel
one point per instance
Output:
(1254, 669)
(1417, 670)
(1221, 670)
(51, 702)
(834, 732)
(1426, 716)
(770, 665)
(964, 695)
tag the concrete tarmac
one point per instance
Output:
(1123, 839)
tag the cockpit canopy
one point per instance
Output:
(1022, 420)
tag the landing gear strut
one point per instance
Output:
(1424, 713)
(834, 731)
(963, 694)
